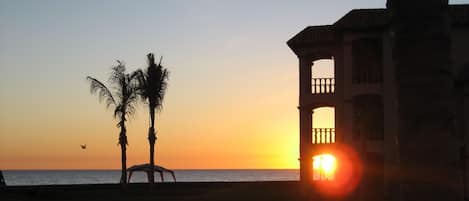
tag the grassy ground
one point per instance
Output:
(206, 191)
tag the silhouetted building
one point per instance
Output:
(363, 93)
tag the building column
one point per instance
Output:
(305, 79)
(306, 166)
(305, 118)
(338, 95)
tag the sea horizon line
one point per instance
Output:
(183, 169)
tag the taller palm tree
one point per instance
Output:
(152, 88)
(123, 98)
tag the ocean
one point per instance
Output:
(54, 177)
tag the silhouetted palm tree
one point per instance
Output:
(153, 84)
(123, 97)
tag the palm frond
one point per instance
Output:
(161, 59)
(139, 82)
(151, 59)
(97, 87)
(162, 88)
(117, 72)
(131, 110)
(156, 82)
(128, 97)
(118, 111)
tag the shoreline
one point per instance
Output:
(260, 169)
(262, 190)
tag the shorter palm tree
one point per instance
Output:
(123, 99)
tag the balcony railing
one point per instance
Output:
(323, 85)
(323, 135)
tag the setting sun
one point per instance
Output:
(324, 167)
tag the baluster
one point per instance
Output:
(324, 85)
(318, 137)
(314, 86)
(320, 85)
(323, 140)
(314, 136)
(326, 130)
(321, 90)
(333, 135)
(315, 140)
(328, 85)
(318, 89)
(331, 85)
(325, 136)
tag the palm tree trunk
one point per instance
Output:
(123, 144)
(123, 179)
(427, 144)
(152, 140)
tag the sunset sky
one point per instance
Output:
(233, 87)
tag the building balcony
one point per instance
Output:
(323, 136)
(322, 85)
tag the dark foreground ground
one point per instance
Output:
(207, 191)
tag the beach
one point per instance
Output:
(207, 191)
(191, 185)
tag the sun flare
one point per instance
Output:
(324, 167)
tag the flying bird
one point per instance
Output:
(83, 146)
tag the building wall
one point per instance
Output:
(460, 48)
(385, 148)
(390, 149)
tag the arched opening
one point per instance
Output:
(322, 74)
(323, 121)
(324, 167)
